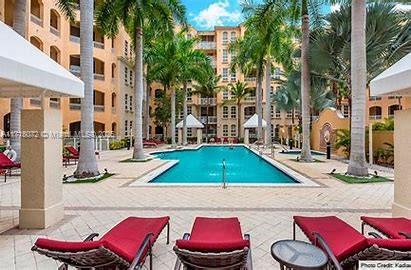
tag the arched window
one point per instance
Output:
(233, 36)
(54, 22)
(113, 70)
(225, 37)
(113, 100)
(36, 10)
(55, 54)
(375, 112)
(36, 42)
(225, 112)
(392, 109)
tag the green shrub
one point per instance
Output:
(115, 145)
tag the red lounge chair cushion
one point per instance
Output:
(7, 163)
(343, 239)
(215, 235)
(124, 239)
(392, 244)
(73, 151)
(390, 226)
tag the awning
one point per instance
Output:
(253, 122)
(191, 122)
(25, 71)
(396, 80)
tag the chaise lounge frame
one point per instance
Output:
(376, 235)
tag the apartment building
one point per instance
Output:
(52, 33)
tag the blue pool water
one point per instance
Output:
(204, 165)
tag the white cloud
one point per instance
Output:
(335, 7)
(403, 7)
(217, 14)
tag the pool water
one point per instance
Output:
(204, 165)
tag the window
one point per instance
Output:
(126, 48)
(131, 127)
(233, 112)
(125, 75)
(126, 102)
(131, 77)
(345, 110)
(233, 76)
(289, 114)
(225, 130)
(233, 55)
(189, 110)
(112, 43)
(225, 55)
(374, 98)
(131, 103)
(113, 70)
(225, 94)
(233, 131)
(272, 111)
(189, 94)
(189, 132)
(225, 112)
(233, 36)
(276, 75)
(225, 37)
(225, 74)
(126, 128)
(189, 36)
(277, 113)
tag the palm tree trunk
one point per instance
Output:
(185, 114)
(238, 119)
(87, 164)
(259, 105)
(145, 102)
(138, 152)
(173, 117)
(147, 111)
(357, 165)
(305, 84)
(206, 126)
(16, 104)
(268, 139)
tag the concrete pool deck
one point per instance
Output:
(264, 212)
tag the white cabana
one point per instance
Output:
(27, 72)
(252, 123)
(396, 80)
(191, 122)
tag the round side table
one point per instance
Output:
(294, 254)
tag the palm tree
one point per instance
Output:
(134, 15)
(87, 165)
(238, 91)
(207, 86)
(16, 104)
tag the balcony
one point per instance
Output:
(36, 20)
(250, 99)
(54, 31)
(208, 101)
(54, 104)
(75, 106)
(211, 119)
(75, 39)
(375, 116)
(207, 45)
(99, 108)
(98, 45)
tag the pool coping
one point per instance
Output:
(144, 181)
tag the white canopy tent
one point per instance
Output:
(191, 122)
(252, 123)
(27, 72)
(396, 80)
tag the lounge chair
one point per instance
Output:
(74, 153)
(395, 228)
(225, 140)
(149, 144)
(235, 140)
(125, 246)
(7, 165)
(345, 246)
(214, 243)
(218, 140)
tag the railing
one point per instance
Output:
(224, 175)
(99, 108)
(249, 99)
(98, 45)
(374, 98)
(54, 104)
(75, 106)
(99, 77)
(207, 45)
(101, 143)
(36, 20)
(35, 102)
(391, 116)
(250, 79)
(211, 119)
(208, 101)
(54, 31)
(375, 117)
(74, 39)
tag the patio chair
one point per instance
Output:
(214, 243)
(149, 144)
(7, 165)
(395, 228)
(218, 140)
(125, 246)
(74, 153)
(235, 140)
(345, 246)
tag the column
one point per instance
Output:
(180, 136)
(41, 173)
(246, 136)
(199, 136)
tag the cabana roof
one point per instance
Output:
(192, 122)
(253, 122)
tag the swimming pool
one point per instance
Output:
(205, 166)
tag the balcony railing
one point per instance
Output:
(252, 99)
(208, 101)
(54, 104)
(375, 117)
(75, 106)
(36, 20)
(54, 31)
(250, 79)
(35, 102)
(75, 39)
(98, 45)
(207, 45)
(211, 119)
(99, 77)
(99, 108)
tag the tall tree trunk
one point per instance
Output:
(87, 164)
(138, 152)
(268, 139)
(147, 109)
(238, 119)
(206, 126)
(173, 116)
(146, 117)
(259, 105)
(16, 104)
(357, 165)
(305, 84)
(185, 114)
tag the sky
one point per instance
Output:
(205, 14)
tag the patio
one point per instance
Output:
(265, 213)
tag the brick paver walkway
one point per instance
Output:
(265, 213)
